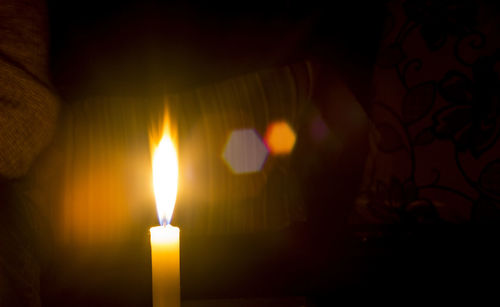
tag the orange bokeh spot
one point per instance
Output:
(280, 138)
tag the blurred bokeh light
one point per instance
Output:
(245, 152)
(280, 138)
(318, 129)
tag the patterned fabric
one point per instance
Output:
(28, 108)
(28, 111)
(434, 143)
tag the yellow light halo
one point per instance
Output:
(165, 166)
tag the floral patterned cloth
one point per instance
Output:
(436, 116)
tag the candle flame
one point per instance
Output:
(165, 174)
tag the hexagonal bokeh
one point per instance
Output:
(245, 152)
(318, 129)
(280, 138)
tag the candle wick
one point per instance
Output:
(164, 222)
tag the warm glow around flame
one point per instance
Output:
(165, 175)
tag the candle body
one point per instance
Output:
(166, 266)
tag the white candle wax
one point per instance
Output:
(166, 266)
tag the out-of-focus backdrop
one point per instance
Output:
(326, 149)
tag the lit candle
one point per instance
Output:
(165, 238)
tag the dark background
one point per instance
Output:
(101, 47)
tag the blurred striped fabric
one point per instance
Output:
(100, 186)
